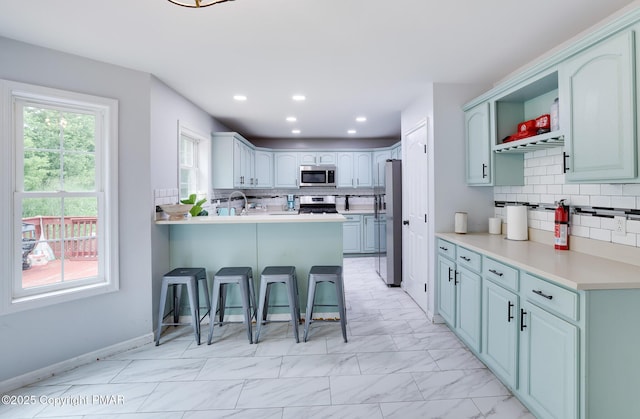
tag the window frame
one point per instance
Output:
(13, 95)
(202, 151)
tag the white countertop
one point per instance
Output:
(260, 218)
(572, 269)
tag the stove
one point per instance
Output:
(311, 204)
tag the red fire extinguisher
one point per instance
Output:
(561, 231)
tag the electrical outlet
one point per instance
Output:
(620, 225)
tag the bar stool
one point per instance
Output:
(243, 276)
(331, 274)
(177, 278)
(273, 275)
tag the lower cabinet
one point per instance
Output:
(459, 291)
(500, 331)
(352, 234)
(368, 234)
(468, 290)
(548, 363)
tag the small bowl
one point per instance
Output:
(176, 211)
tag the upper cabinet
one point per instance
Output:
(263, 169)
(354, 169)
(316, 158)
(285, 169)
(598, 112)
(379, 160)
(232, 161)
(478, 138)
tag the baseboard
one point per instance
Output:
(51, 370)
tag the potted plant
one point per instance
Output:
(196, 210)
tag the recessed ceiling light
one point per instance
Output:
(240, 98)
(351, 131)
(361, 118)
(295, 131)
(298, 98)
(291, 119)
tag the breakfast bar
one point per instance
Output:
(260, 240)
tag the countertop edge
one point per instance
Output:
(258, 219)
(558, 263)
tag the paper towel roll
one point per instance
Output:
(460, 222)
(517, 228)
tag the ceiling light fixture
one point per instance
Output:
(351, 131)
(197, 3)
(361, 119)
(295, 131)
(240, 98)
(298, 98)
(291, 119)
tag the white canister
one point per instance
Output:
(460, 222)
(495, 225)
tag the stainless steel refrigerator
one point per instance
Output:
(388, 222)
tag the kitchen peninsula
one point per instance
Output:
(257, 241)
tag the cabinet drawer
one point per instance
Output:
(447, 249)
(469, 259)
(353, 218)
(500, 273)
(550, 296)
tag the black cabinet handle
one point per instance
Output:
(522, 325)
(455, 278)
(493, 271)
(405, 222)
(542, 294)
(565, 169)
(450, 274)
(446, 249)
(465, 258)
(509, 315)
(484, 170)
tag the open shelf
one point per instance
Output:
(537, 142)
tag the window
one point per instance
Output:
(64, 199)
(194, 163)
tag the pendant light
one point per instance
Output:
(197, 3)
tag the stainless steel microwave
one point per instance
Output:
(317, 176)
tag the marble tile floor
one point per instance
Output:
(395, 365)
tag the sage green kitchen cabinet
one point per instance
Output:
(478, 142)
(352, 234)
(468, 286)
(447, 290)
(598, 112)
(316, 158)
(354, 169)
(263, 169)
(548, 363)
(369, 227)
(379, 159)
(500, 331)
(381, 226)
(286, 169)
(232, 161)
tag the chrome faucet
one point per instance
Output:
(246, 203)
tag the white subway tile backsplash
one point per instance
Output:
(608, 189)
(571, 189)
(600, 234)
(580, 231)
(600, 201)
(589, 189)
(623, 201)
(631, 189)
(545, 183)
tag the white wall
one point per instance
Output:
(167, 108)
(446, 186)
(37, 338)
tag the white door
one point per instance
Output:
(415, 247)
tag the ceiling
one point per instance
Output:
(348, 57)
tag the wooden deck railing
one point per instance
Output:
(77, 233)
